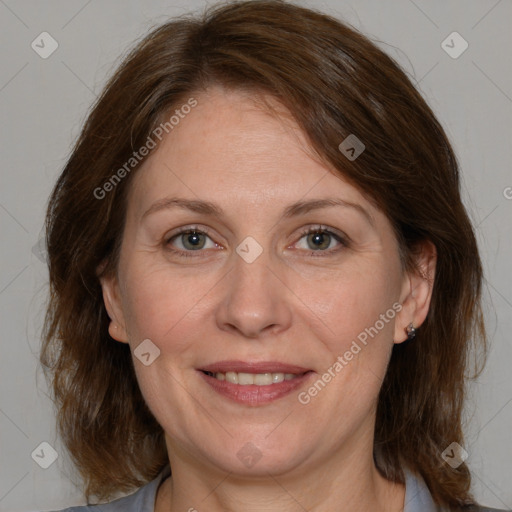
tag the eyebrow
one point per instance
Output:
(293, 210)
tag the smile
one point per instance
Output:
(254, 383)
(257, 379)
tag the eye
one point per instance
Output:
(192, 240)
(189, 240)
(321, 240)
(318, 241)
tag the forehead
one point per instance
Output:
(230, 147)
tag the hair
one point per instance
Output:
(335, 82)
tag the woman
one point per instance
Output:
(264, 281)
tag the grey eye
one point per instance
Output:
(319, 240)
(193, 240)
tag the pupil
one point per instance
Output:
(193, 239)
(319, 240)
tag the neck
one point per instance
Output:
(332, 486)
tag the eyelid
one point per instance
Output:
(184, 229)
(326, 229)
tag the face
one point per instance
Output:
(248, 302)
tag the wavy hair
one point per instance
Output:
(335, 82)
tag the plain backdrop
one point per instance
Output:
(43, 103)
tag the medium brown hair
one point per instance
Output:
(335, 82)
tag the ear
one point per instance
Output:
(112, 300)
(416, 290)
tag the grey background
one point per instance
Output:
(43, 103)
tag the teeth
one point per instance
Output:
(277, 377)
(245, 378)
(259, 379)
(232, 377)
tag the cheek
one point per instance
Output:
(356, 305)
(159, 303)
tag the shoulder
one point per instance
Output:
(143, 500)
(419, 499)
(478, 508)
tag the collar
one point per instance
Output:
(417, 495)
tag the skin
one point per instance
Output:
(291, 304)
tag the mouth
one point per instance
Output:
(255, 383)
(257, 379)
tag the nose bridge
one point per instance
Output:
(252, 278)
(254, 299)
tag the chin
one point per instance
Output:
(258, 457)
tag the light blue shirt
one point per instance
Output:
(417, 498)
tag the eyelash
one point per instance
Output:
(204, 231)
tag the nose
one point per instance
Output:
(255, 300)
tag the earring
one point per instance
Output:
(411, 331)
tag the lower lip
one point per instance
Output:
(255, 395)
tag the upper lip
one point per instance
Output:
(253, 367)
